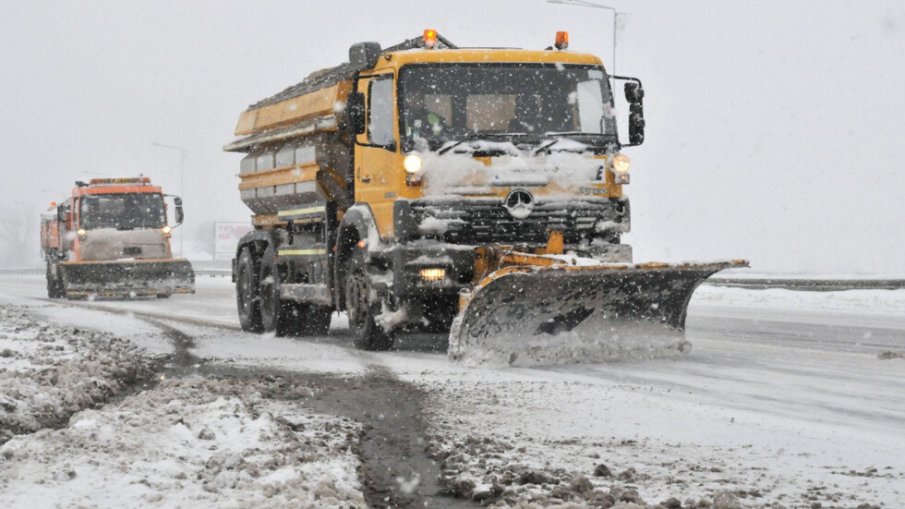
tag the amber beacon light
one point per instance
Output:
(562, 40)
(430, 38)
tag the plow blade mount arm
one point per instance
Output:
(525, 315)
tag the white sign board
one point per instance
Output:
(226, 238)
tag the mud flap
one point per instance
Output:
(525, 316)
(128, 278)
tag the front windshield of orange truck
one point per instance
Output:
(127, 211)
(442, 103)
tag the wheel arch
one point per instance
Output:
(257, 241)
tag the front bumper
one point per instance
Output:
(407, 261)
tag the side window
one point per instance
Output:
(64, 210)
(380, 112)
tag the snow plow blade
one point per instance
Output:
(128, 278)
(562, 314)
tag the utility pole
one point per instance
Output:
(587, 3)
(183, 155)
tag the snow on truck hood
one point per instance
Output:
(461, 173)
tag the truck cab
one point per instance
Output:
(112, 237)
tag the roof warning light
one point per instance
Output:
(562, 40)
(430, 38)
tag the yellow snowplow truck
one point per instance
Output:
(426, 187)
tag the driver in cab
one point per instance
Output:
(420, 121)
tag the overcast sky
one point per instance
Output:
(775, 128)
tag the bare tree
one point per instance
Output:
(19, 234)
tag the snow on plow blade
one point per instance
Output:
(525, 316)
(128, 278)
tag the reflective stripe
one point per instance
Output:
(298, 212)
(302, 252)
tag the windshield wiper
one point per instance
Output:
(556, 134)
(477, 137)
(573, 133)
(545, 146)
(447, 148)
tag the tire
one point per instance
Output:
(54, 283)
(277, 316)
(163, 295)
(366, 334)
(247, 299)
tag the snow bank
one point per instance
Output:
(860, 302)
(191, 443)
(527, 439)
(48, 373)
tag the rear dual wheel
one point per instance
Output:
(260, 307)
(247, 297)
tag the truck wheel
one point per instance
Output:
(277, 315)
(366, 334)
(247, 300)
(54, 285)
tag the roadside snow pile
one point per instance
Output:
(860, 302)
(561, 443)
(189, 442)
(48, 373)
(500, 475)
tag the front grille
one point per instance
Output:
(488, 221)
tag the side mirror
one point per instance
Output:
(61, 214)
(180, 215)
(364, 55)
(355, 104)
(636, 124)
(634, 92)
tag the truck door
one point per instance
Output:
(68, 228)
(378, 166)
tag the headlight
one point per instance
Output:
(621, 163)
(82, 233)
(166, 230)
(433, 274)
(412, 163)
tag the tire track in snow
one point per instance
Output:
(396, 470)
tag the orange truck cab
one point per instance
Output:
(111, 237)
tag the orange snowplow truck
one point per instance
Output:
(111, 239)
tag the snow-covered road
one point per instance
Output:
(790, 398)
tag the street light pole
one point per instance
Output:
(183, 155)
(586, 3)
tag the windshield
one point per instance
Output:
(453, 102)
(122, 211)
